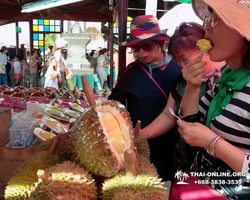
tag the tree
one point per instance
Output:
(50, 40)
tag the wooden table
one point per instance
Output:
(10, 159)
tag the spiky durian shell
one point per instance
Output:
(64, 148)
(67, 179)
(141, 143)
(131, 195)
(67, 197)
(89, 140)
(22, 182)
(144, 166)
(144, 186)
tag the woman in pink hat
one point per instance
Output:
(225, 109)
(146, 83)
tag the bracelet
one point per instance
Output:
(216, 144)
(211, 145)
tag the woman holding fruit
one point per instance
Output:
(224, 110)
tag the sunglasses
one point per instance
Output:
(145, 47)
(185, 25)
(213, 19)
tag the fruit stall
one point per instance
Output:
(74, 145)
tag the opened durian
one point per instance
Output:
(138, 183)
(64, 148)
(22, 182)
(142, 146)
(101, 136)
(64, 180)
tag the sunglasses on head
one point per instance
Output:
(145, 47)
(185, 25)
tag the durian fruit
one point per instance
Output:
(133, 185)
(64, 181)
(22, 182)
(64, 148)
(144, 166)
(67, 197)
(141, 143)
(101, 136)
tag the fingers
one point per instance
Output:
(196, 60)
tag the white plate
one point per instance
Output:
(38, 131)
(65, 118)
(72, 113)
(59, 128)
(76, 107)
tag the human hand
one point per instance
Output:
(195, 134)
(193, 72)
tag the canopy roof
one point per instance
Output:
(86, 10)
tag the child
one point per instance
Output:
(25, 72)
(52, 75)
(45, 67)
(17, 69)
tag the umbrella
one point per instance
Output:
(177, 15)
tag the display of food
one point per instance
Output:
(53, 124)
(72, 113)
(19, 94)
(76, 107)
(43, 135)
(56, 114)
(96, 159)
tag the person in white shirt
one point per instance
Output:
(17, 69)
(3, 64)
(50, 53)
(52, 75)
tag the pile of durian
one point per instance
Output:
(101, 157)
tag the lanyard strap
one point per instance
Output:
(153, 80)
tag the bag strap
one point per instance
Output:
(153, 80)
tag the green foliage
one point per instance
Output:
(50, 40)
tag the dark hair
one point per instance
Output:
(103, 51)
(246, 57)
(17, 56)
(3, 49)
(185, 38)
(33, 51)
(91, 53)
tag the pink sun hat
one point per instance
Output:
(145, 27)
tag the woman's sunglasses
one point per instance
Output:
(185, 25)
(213, 19)
(145, 47)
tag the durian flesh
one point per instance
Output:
(97, 147)
(67, 179)
(22, 182)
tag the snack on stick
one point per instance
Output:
(204, 45)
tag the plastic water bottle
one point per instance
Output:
(12, 117)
